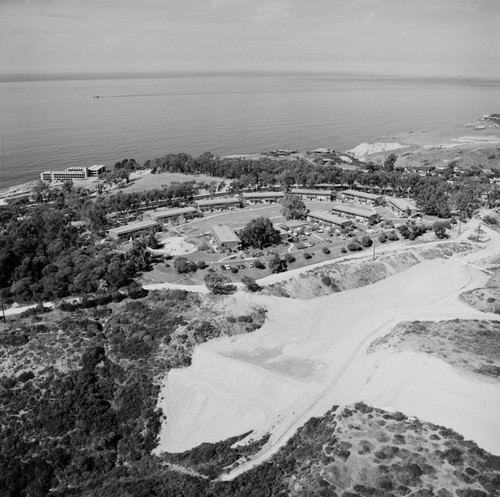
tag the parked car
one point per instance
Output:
(242, 266)
(251, 264)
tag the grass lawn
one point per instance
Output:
(143, 180)
(240, 217)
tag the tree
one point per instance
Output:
(250, 283)
(277, 264)
(366, 241)
(293, 207)
(392, 236)
(354, 245)
(411, 230)
(152, 241)
(218, 284)
(260, 233)
(382, 238)
(390, 161)
(184, 265)
(467, 200)
(440, 229)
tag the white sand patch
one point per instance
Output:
(363, 150)
(175, 246)
(311, 355)
(426, 387)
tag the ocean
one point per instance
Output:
(54, 124)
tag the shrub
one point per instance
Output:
(392, 236)
(218, 284)
(250, 283)
(490, 220)
(244, 319)
(289, 258)
(307, 255)
(366, 241)
(277, 265)
(326, 250)
(326, 280)
(234, 270)
(202, 264)
(259, 265)
(382, 237)
(343, 250)
(354, 245)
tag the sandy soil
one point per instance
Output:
(284, 374)
(311, 355)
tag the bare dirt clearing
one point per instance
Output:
(311, 355)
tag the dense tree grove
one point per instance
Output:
(434, 195)
(44, 256)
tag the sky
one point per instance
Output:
(408, 37)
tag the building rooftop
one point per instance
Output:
(329, 218)
(96, 167)
(294, 223)
(402, 203)
(262, 194)
(139, 225)
(178, 211)
(355, 211)
(218, 201)
(367, 196)
(310, 191)
(225, 234)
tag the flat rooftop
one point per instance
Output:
(178, 211)
(367, 196)
(309, 191)
(263, 194)
(137, 226)
(225, 234)
(355, 211)
(329, 218)
(402, 203)
(218, 201)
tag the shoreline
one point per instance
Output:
(480, 133)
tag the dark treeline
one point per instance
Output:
(435, 195)
(44, 256)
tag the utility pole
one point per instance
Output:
(478, 231)
(373, 250)
(3, 312)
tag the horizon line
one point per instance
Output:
(14, 77)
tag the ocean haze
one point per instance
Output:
(56, 124)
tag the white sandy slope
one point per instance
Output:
(311, 355)
(363, 150)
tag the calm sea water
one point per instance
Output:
(57, 124)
